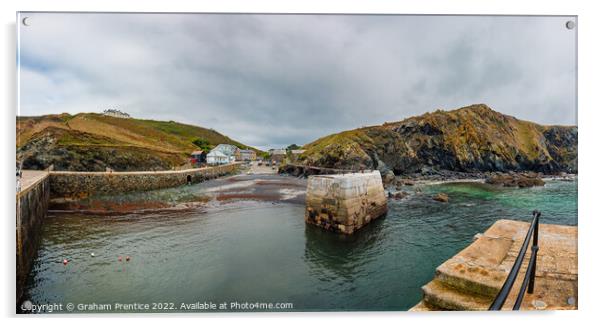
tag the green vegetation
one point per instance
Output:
(203, 144)
(292, 147)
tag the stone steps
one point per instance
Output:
(471, 279)
(439, 294)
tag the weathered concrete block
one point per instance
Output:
(345, 202)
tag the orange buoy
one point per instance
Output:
(119, 258)
(127, 258)
(65, 261)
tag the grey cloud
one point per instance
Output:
(269, 80)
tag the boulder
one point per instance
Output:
(388, 177)
(398, 194)
(442, 197)
(521, 180)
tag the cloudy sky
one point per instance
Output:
(273, 80)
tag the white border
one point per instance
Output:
(589, 26)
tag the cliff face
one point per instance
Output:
(469, 139)
(93, 142)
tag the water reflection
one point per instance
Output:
(330, 254)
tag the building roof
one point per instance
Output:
(215, 153)
(278, 152)
(247, 151)
(297, 151)
(226, 149)
(197, 153)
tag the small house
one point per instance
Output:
(229, 150)
(295, 153)
(217, 158)
(248, 155)
(277, 155)
(198, 157)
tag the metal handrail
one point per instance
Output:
(528, 283)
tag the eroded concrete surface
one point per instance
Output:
(471, 279)
(345, 202)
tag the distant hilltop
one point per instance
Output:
(470, 139)
(94, 142)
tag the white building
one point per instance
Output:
(116, 113)
(229, 150)
(217, 158)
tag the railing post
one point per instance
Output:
(534, 249)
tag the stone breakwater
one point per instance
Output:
(33, 200)
(32, 205)
(297, 170)
(345, 202)
(77, 185)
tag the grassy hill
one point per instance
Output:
(92, 142)
(473, 138)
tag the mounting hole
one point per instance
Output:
(570, 24)
(26, 21)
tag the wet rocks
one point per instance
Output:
(388, 177)
(398, 194)
(441, 197)
(521, 180)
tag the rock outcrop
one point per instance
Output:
(470, 139)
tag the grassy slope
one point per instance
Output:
(161, 135)
(168, 140)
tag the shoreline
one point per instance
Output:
(223, 192)
(427, 181)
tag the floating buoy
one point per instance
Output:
(92, 254)
(127, 258)
(65, 261)
(119, 258)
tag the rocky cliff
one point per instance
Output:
(470, 139)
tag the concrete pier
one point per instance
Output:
(32, 205)
(471, 279)
(345, 202)
(39, 187)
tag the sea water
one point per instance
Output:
(261, 251)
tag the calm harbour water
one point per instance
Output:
(260, 250)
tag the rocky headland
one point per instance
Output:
(473, 142)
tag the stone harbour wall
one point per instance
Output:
(472, 278)
(32, 206)
(66, 184)
(345, 202)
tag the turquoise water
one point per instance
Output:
(241, 250)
